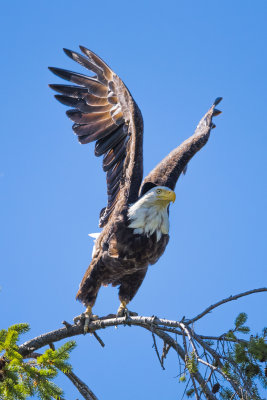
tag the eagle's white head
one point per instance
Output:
(150, 213)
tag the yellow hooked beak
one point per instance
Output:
(168, 195)
(172, 196)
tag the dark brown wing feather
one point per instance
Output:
(104, 111)
(167, 172)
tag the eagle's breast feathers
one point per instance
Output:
(140, 234)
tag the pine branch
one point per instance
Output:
(78, 383)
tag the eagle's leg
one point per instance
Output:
(87, 314)
(87, 293)
(86, 317)
(128, 288)
(123, 310)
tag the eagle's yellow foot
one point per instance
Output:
(89, 316)
(85, 318)
(123, 310)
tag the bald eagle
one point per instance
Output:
(135, 221)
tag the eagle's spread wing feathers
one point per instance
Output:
(167, 172)
(104, 111)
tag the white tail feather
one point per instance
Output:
(95, 237)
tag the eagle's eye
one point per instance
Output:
(159, 191)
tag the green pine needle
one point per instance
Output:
(241, 319)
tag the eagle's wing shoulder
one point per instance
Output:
(104, 111)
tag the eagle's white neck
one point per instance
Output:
(147, 216)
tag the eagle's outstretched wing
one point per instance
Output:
(104, 111)
(167, 172)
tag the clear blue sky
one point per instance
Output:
(176, 57)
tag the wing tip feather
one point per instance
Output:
(53, 86)
(217, 101)
(62, 73)
(82, 48)
(68, 52)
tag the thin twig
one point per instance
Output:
(178, 348)
(218, 358)
(67, 324)
(195, 388)
(205, 337)
(165, 350)
(156, 350)
(186, 331)
(207, 381)
(219, 303)
(98, 338)
(185, 389)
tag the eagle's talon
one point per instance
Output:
(126, 314)
(85, 318)
(94, 317)
(123, 310)
(89, 318)
(79, 319)
(132, 313)
(86, 323)
(121, 313)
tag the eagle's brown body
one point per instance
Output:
(104, 111)
(121, 258)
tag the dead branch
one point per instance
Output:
(213, 359)
(231, 298)
(81, 386)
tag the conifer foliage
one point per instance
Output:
(22, 378)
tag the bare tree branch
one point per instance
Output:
(103, 322)
(156, 350)
(178, 348)
(231, 298)
(186, 331)
(214, 360)
(205, 337)
(81, 386)
(217, 357)
(98, 338)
